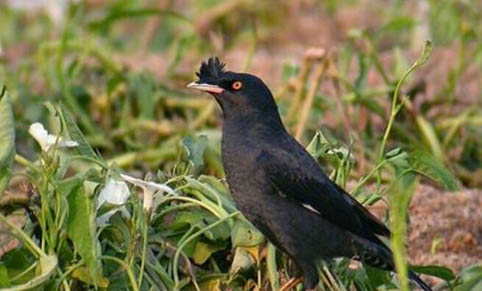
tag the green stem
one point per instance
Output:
(395, 106)
(26, 163)
(24, 237)
(272, 267)
(130, 274)
(195, 235)
(144, 250)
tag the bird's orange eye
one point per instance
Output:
(237, 85)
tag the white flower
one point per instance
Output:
(149, 189)
(47, 140)
(114, 192)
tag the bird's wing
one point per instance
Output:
(305, 183)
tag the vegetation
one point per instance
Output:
(107, 78)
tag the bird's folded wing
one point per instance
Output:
(310, 187)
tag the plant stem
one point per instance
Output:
(395, 106)
(130, 274)
(195, 235)
(144, 246)
(26, 163)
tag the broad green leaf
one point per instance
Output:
(83, 274)
(200, 219)
(242, 260)
(4, 278)
(376, 276)
(243, 234)
(215, 183)
(436, 271)
(188, 218)
(81, 229)
(75, 134)
(7, 139)
(471, 279)
(46, 267)
(211, 191)
(401, 195)
(427, 165)
(195, 147)
(17, 261)
(202, 251)
(210, 285)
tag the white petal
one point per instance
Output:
(68, 144)
(147, 185)
(150, 190)
(38, 132)
(46, 140)
(114, 192)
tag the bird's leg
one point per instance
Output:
(290, 284)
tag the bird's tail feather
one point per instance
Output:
(419, 281)
(380, 256)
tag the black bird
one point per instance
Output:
(281, 189)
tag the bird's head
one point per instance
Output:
(236, 93)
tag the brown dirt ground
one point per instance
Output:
(445, 228)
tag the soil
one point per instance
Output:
(446, 228)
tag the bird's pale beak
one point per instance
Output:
(206, 87)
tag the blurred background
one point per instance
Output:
(120, 68)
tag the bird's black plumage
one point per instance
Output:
(280, 188)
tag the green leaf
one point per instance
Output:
(5, 175)
(400, 197)
(471, 279)
(430, 137)
(7, 139)
(243, 234)
(195, 147)
(376, 276)
(213, 284)
(4, 278)
(425, 56)
(81, 229)
(200, 219)
(242, 260)
(272, 267)
(318, 144)
(75, 134)
(427, 165)
(83, 274)
(17, 261)
(436, 271)
(202, 251)
(46, 267)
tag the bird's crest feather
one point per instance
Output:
(213, 68)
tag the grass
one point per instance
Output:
(111, 76)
